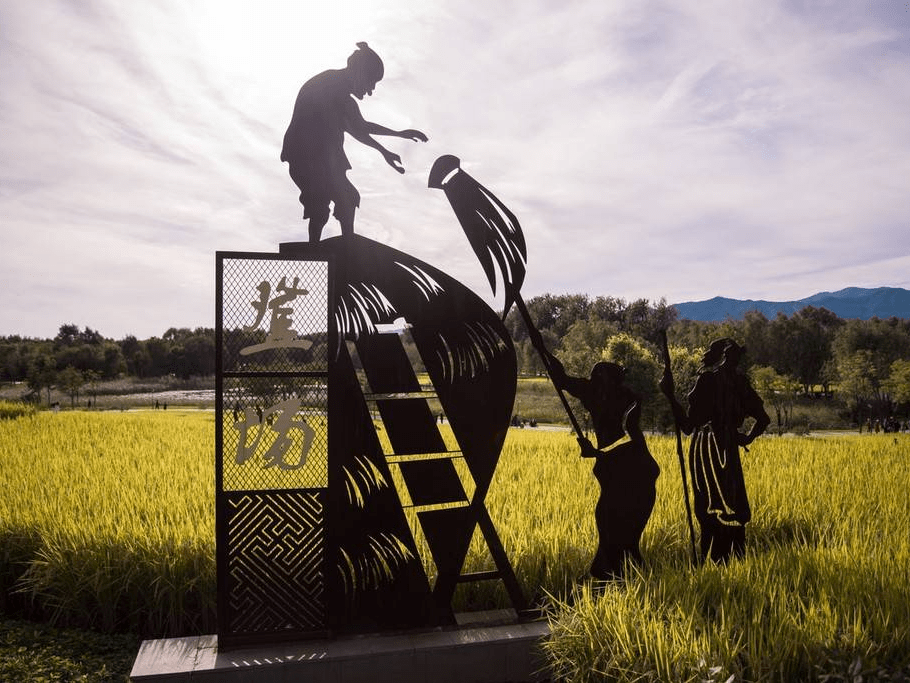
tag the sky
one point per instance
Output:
(686, 149)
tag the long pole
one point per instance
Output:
(679, 450)
(537, 341)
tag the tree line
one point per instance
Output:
(863, 364)
(77, 360)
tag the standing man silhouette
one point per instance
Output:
(314, 142)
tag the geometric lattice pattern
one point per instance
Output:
(276, 561)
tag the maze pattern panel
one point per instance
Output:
(276, 561)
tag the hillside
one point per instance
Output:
(852, 302)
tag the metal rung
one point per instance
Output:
(438, 506)
(400, 395)
(479, 576)
(416, 457)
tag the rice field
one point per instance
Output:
(108, 519)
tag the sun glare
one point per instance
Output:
(285, 40)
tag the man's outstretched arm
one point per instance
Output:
(362, 131)
(408, 133)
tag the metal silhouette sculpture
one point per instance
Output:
(719, 403)
(469, 359)
(494, 234)
(627, 472)
(335, 487)
(668, 372)
(314, 142)
(339, 540)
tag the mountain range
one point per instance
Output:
(852, 302)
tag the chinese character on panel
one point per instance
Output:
(279, 420)
(280, 333)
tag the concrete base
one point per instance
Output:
(483, 648)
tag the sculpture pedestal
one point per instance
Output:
(483, 647)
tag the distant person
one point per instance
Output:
(627, 473)
(719, 403)
(314, 142)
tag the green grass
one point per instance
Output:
(825, 586)
(38, 653)
(107, 521)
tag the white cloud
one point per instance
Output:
(753, 149)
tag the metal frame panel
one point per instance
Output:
(275, 339)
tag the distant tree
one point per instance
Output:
(42, 374)
(828, 376)
(583, 345)
(803, 343)
(898, 382)
(112, 360)
(558, 313)
(70, 335)
(67, 335)
(887, 340)
(199, 353)
(684, 364)
(644, 320)
(860, 386)
(157, 350)
(71, 381)
(754, 333)
(864, 352)
(554, 312)
(529, 361)
(14, 359)
(643, 371)
(92, 378)
(693, 334)
(778, 391)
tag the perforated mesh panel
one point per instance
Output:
(275, 433)
(274, 332)
(274, 315)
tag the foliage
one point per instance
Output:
(583, 344)
(684, 364)
(38, 653)
(112, 513)
(556, 315)
(643, 371)
(778, 391)
(861, 385)
(71, 381)
(825, 585)
(13, 409)
(810, 346)
(898, 382)
(179, 351)
(108, 520)
(42, 374)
